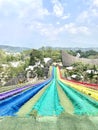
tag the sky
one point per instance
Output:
(56, 23)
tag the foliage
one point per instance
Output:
(2, 56)
(80, 69)
(72, 52)
(7, 70)
(50, 52)
(84, 54)
(39, 71)
(35, 56)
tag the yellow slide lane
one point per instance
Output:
(88, 91)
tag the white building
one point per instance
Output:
(46, 60)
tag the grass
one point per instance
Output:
(63, 122)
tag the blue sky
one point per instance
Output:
(57, 23)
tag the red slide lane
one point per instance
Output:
(88, 85)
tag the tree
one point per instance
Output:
(35, 56)
(39, 71)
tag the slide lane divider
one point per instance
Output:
(65, 101)
(10, 106)
(87, 91)
(13, 97)
(49, 102)
(16, 91)
(25, 109)
(6, 92)
(82, 104)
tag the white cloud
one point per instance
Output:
(94, 12)
(95, 3)
(1, 2)
(83, 16)
(30, 15)
(84, 30)
(34, 10)
(43, 12)
(58, 23)
(47, 30)
(8, 6)
(0, 25)
(66, 16)
(90, 14)
(24, 8)
(11, 2)
(87, 16)
(52, 32)
(73, 29)
(58, 9)
(33, 13)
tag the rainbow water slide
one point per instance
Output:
(49, 103)
(10, 105)
(86, 89)
(83, 104)
(50, 98)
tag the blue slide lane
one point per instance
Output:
(10, 106)
(8, 94)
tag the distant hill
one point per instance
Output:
(70, 48)
(12, 49)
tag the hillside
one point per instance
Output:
(13, 49)
(69, 48)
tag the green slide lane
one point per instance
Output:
(81, 104)
(65, 102)
(24, 110)
(49, 103)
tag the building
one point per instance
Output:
(68, 60)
